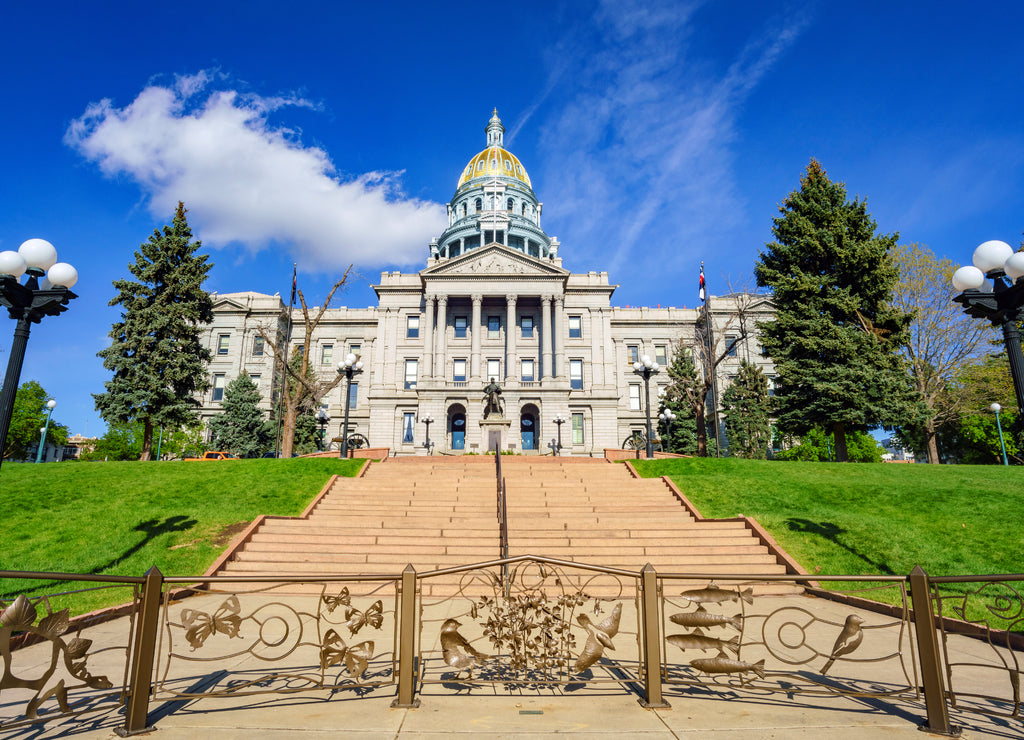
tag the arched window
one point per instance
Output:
(479, 205)
(524, 209)
(463, 209)
(510, 206)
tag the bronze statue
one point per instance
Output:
(492, 399)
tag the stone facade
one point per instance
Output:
(493, 301)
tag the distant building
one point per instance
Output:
(493, 301)
(894, 452)
(77, 445)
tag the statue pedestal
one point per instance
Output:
(491, 430)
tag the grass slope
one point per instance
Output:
(122, 518)
(846, 519)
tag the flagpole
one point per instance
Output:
(710, 358)
(284, 369)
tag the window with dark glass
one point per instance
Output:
(479, 205)
(353, 395)
(576, 374)
(526, 322)
(730, 345)
(633, 353)
(493, 327)
(257, 347)
(460, 327)
(218, 387)
(575, 327)
(412, 327)
(222, 343)
(660, 355)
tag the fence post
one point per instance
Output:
(143, 653)
(928, 652)
(407, 643)
(651, 644)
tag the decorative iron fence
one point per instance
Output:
(527, 621)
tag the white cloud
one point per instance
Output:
(247, 181)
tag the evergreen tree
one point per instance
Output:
(158, 360)
(242, 429)
(748, 411)
(683, 384)
(836, 334)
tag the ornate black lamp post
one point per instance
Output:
(645, 368)
(559, 420)
(428, 420)
(42, 432)
(27, 304)
(667, 417)
(351, 367)
(322, 418)
(1000, 302)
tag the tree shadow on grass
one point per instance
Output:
(831, 532)
(151, 529)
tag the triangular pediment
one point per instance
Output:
(495, 260)
(223, 303)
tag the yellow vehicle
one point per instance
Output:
(213, 456)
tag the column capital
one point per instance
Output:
(546, 299)
(512, 298)
(477, 298)
(443, 300)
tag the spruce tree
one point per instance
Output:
(157, 356)
(748, 411)
(836, 334)
(678, 397)
(242, 429)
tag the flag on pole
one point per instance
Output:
(701, 281)
(295, 285)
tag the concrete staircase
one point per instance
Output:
(440, 512)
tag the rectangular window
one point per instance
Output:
(410, 374)
(575, 327)
(222, 343)
(460, 327)
(527, 370)
(408, 419)
(493, 327)
(327, 354)
(257, 347)
(412, 327)
(526, 323)
(771, 385)
(355, 349)
(576, 374)
(660, 355)
(218, 387)
(494, 369)
(459, 371)
(632, 353)
(353, 395)
(255, 379)
(730, 345)
(634, 397)
(577, 428)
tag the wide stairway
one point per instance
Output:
(441, 512)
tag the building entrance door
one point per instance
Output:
(528, 431)
(458, 431)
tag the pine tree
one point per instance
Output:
(242, 429)
(748, 411)
(158, 360)
(836, 335)
(683, 384)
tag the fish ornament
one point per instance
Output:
(715, 595)
(697, 640)
(723, 664)
(703, 618)
(600, 637)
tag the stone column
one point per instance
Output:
(428, 338)
(474, 357)
(440, 363)
(559, 338)
(511, 358)
(545, 330)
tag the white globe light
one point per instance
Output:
(991, 255)
(45, 284)
(12, 263)
(39, 254)
(968, 278)
(996, 407)
(63, 274)
(51, 403)
(1015, 266)
(359, 365)
(637, 366)
(655, 367)
(646, 359)
(350, 359)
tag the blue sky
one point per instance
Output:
(657, 134)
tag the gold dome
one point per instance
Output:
(494, 161)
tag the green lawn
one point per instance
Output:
(124, 517)
(843, 519)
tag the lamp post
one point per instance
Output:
(27, 304)
(428, 420)
(42, 432)
(351, 367)
(1001, 302)
(1002, 445)
(322, 418)
(559, 421)
(645, 368)
(667, 416)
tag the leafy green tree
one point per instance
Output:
(242, 429)
(977, 439)
(817, 446)
(157, 356)
(748, 412)
(121, 441)
(27, 417)
(836, 335)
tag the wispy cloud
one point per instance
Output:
(640, 156)
(248, 181)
